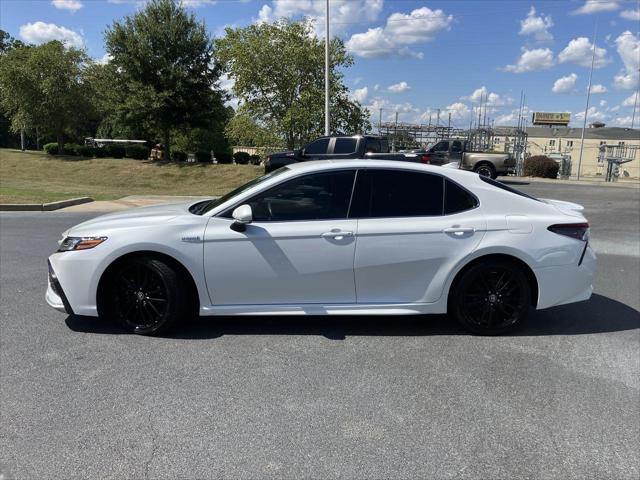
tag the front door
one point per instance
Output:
(413, 228)
(299, 249)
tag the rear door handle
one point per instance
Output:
(459, 230)
(337, 235)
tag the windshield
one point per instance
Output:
(203, 207)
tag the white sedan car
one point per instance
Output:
(363, 237)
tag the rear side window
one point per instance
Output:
(456, 146)
(502, 186)
(457, 199)
(319, 147)
(396, 193)
(372, 146)
(345, 145)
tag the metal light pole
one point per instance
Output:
(327, 121)
(635, 104)
(586, 108)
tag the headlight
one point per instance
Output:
(80, 243)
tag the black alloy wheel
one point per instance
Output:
(486, 170)
(491, 297)
(147, 296)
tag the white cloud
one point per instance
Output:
(40, 32)
(593, 115)
(342, 11)
(530, 60)
(360, 94)
(580, 50)
(633, 15)
(407, 112)
(71, 5)
(491, 99)
(399, 87)
(106, 58)
(197, 3)
(506, 119)
(624, 121)
(629, 101)
(595, 6)
(615, 109)
(565, 84)
(603, 103)
(628, 46)
(401, 29)
(458, 109)
(597, 88)
(226, 84)
(536, 26)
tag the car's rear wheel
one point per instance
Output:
(146, 296)
(491, 297)
(486, 170)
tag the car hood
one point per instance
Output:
(135, 217)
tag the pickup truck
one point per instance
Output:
(457, 151)
(340, 147)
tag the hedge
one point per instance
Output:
(203, 157)
(178, 156)
(137, 152)
(255, 159)
(541, 166)
(223, 157)
(242, 157)
(50, 148)
(115, 151)
(85, 151)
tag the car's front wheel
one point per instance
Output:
(491, 297)
(146, 296)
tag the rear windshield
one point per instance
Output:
(502, 186)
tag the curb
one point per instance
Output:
(43, 207)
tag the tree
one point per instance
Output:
(7, 42)
(166, 77)
(43, 88)
(279, 77)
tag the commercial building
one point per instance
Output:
(566, 141)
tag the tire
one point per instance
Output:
(486, 170)
(147, 296)
(491, 297)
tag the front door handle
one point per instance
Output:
(459, 230)
(337, 235)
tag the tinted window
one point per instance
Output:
(312, 197)
(372, 146)
(319, 147)
(345, 145)
(502, 186)
(441, 147)
(395, 193)
(456, 147)
(457, 199)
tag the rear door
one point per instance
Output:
(413, 228)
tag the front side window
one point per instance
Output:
(345, 145)
(396, 193)
(320, 196)
(319, 147)
(441, 147)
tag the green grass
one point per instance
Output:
(34, 177)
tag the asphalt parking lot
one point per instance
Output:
(403, 397)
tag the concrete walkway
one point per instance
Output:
(131, 201)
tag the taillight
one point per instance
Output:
(426, 158)
(579, 231)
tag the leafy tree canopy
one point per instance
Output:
(279, 78)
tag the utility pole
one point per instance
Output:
(22, 139)
(449, 126)
(380, 123)
(438, 119)
(395, 133)
(635, 104)
(327, 120)
(586, 108)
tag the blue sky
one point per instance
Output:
(417, 56)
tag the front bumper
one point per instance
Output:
(55, 296)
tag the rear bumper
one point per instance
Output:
(560, 285)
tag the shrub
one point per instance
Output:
(137, 152)
(241, 157)
(71, 149)
(85, 151)
(115, 150)
(223, 157)
(541, 166)
(51, 148)
(203, 157)
(255, 160)
(178, 155)
(99, 152)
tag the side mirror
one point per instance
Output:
(242, 216)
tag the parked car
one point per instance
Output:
(364, 237)
(458, 152)
(339, 147)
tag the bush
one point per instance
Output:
(255, 160)
(85, 151)
(71, 148)
(115, 150)
(99, 152)
(223, 157)
(203, 157)
(51, 148)
(541, 166)
(178, 156)
(241, 157)
(137, 152)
